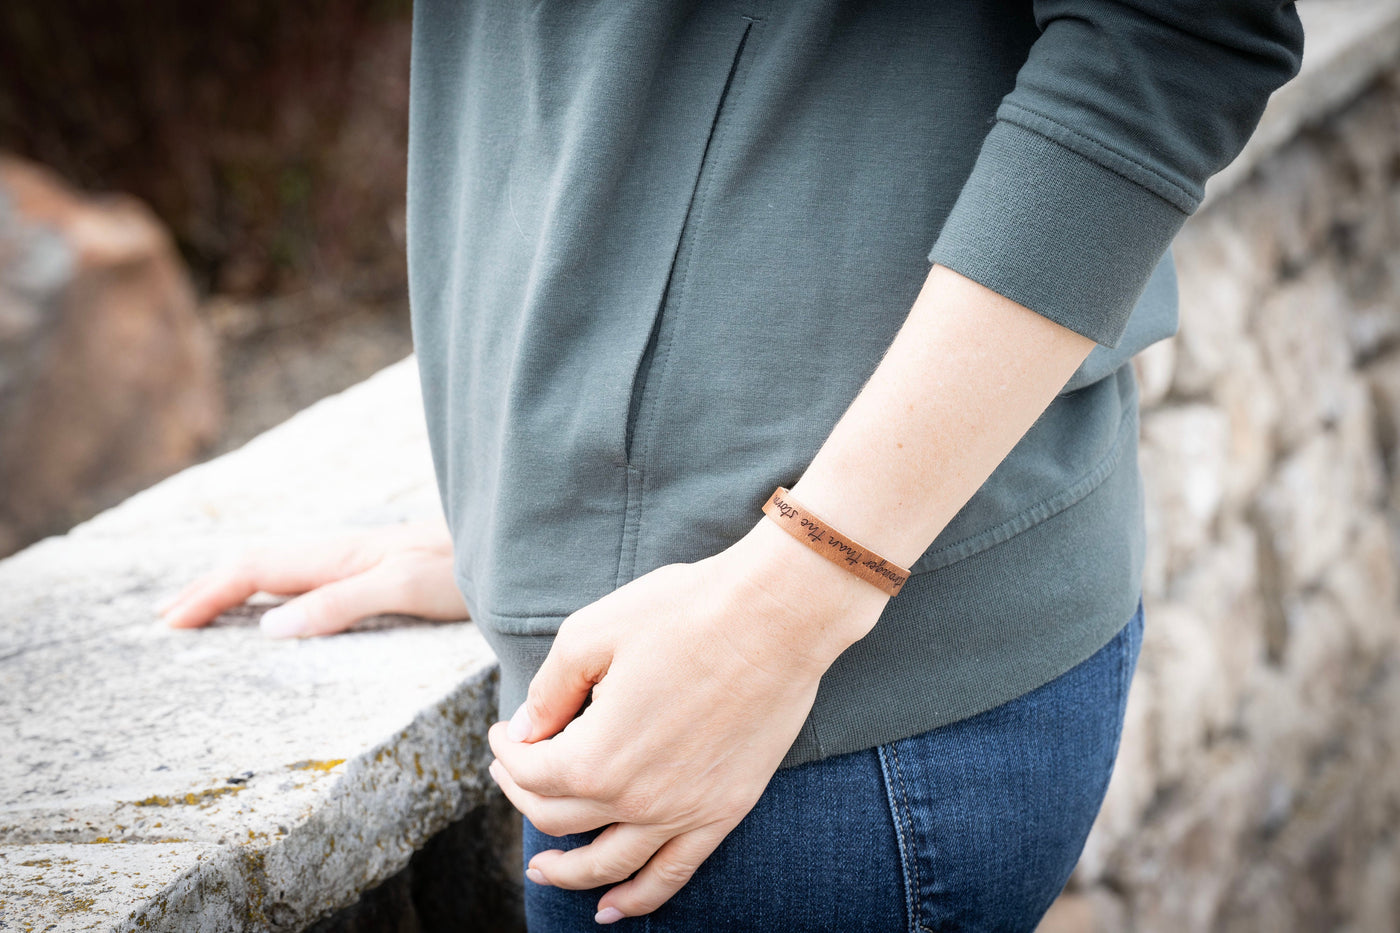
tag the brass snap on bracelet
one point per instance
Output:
(817, 534)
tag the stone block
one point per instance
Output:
(1383, 379)
(1193, 697)
(1185, 465)
(1219, 279)
(1378, 907)
(1178, 868)
(1301, 192)
(1374, 328)
(1221, 586)
(1364, 586)
(1308, 508)
(1153, 367)
(1096, 911)
(1318, 659)
(1245, 394)
(1301, 330)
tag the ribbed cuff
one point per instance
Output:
(1056, 231)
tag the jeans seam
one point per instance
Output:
(904, 831)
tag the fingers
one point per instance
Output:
(286, 569)
(333, 607)
(543, 768)
(553, 816)
(560, 687)
(203, 599)
(613, 856)
(658, 881)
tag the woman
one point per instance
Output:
(662, 260)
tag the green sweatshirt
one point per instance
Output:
(655, 248)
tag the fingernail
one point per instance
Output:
(491, 770)
(535, 875)
(285, 621)
(520, 725)
(166, 604)
(609, 915)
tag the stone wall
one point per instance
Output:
(1258, 783)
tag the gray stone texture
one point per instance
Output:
(216, 780)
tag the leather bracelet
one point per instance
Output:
(817, 533)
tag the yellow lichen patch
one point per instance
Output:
(74, 905)
(200, 798)
(313, 765)
(37, 863)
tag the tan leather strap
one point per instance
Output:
(817, 534)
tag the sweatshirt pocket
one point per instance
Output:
(651, 364)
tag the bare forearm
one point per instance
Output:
(964, 379)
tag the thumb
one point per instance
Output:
(559, 690)
(332, 607)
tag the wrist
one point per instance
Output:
(822, 606)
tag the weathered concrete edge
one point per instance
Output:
(1360, 43)
(387, 803)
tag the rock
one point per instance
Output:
(1184, 459)
(1378, 907)
(1193, 697)
(1318, 658)
(1375, 328)
(1071, 913)
(1302, 334)
(1153, 367)
(1255, 788)
(1221, 586)
(1383, 380)
(1252, 409)
(1095, 912)
(108, 379)
(1218, 283)
(1307, 509)
(1349, 42)
(1304, 191)
(1364, 587)
(1178, 868)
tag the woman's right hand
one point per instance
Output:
(398, 568)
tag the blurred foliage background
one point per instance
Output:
(269, 142)
(268, 136)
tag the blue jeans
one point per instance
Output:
(975, 825)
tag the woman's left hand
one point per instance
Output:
(701, 676)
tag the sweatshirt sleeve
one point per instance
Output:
(1101, 151)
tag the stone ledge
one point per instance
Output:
(215, 779)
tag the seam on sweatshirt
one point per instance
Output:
(1034, 514)
(651, 374)
(1106, 157)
